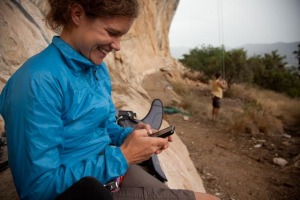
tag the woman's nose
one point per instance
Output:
(116, 44)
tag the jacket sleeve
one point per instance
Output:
(43, 175)
(116, 132)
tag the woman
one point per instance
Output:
(59, 115)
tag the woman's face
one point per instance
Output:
(94, 39)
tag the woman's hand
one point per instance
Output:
(142, 125)
(138, 146)
(170, 139)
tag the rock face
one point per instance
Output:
(144, 50)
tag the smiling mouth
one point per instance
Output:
(102, 50)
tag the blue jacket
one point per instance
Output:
(60, 123)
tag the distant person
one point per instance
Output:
(217, 88)
(62, 135)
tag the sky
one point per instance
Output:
(234, 23)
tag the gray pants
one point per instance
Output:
(137, 184)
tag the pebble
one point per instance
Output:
(217, 193)
(258, 146)
(186, 118)
(280, 161)
(287, 136)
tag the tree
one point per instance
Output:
(297, 53)
(257, 68)
(274, 60)
(269, 72)
(209, 60)
(236, 66)
(204, 59)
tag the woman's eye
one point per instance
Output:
(112, 33)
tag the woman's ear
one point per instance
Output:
(77, 13)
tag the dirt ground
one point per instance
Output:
(234, 167)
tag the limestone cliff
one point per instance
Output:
(144, 50)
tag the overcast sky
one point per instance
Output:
(234, 22)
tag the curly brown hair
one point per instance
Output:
(217, 75)
(59, 14)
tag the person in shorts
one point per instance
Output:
(217, 88)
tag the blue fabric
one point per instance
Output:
(60, 123)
